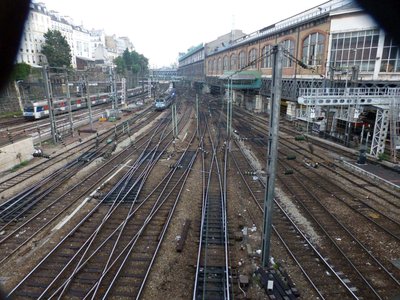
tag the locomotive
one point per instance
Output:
(165, 101)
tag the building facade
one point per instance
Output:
(335, 48)
(84, 44)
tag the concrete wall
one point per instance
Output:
(14, 154)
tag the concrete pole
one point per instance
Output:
(71, 122)
(49, 95)
(89, 103)
(115, 89)
(197, 115)
(228, 111)
(111, 87)
(272, 150)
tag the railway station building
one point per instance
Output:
(335, 48)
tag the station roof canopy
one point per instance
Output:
(242, 75)
(242, 79)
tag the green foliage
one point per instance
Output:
(21, 71)
(19, 166)
(383, 156)
(133, 62)
(299, 138)
(56, 49)
(120, 63)
(10, 114)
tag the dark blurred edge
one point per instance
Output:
(12, 19)
(14, 12)
(386, 13)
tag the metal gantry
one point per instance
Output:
(385, 100)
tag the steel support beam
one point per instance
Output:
(380, 132)
(272, 150)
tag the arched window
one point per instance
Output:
(233, 65)
(225, 65)
(242, 60)
(219, 70)
(288, 45)
(267, 59)
(214, 67)
(313, 49)
(252, 58)
(209, 66)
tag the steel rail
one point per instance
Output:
(61, 242)
(345, 229)
(298, 230)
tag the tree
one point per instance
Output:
(56, 49)
(135, 62)
(120, 63)
(21, 71)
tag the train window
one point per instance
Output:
(39, 108)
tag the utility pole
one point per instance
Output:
(174, 121)
(123, 91)
(71, 122)
(89, 102)
(197, 115)
(112, 91)
(229, 110)
(114, 82)
(150, 86)
(272, 150)
(49, 95)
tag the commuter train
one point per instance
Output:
(166, 100)
(40, 109)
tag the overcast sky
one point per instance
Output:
(160, 29)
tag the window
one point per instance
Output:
(225, 65)
(252, 58)
(219, 67)
(356, 48)
(390, 56)
(233, 65)
(288, 47)
(267, 59)
(313, 49)
(242, 60)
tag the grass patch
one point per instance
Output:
(11, 114)
(383, 156)
(19, 166)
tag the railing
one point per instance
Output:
(321, 92)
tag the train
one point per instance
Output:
(166, 100)
(40, 109)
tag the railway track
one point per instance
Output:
(378, 276)
(71, 152)
(20, 128)
(17, 234)
(117, 213)
(212, 279)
